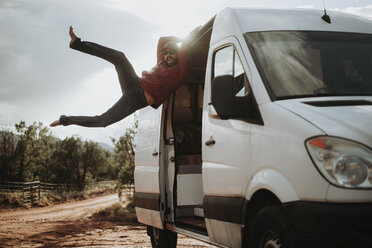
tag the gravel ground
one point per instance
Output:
(72, 225)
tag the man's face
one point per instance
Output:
(170, 57)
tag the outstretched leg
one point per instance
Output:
(133, 96)
(130, 102)
(127, 77)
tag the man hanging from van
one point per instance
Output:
(151, 89)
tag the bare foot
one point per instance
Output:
(55, 123)
(72, 35)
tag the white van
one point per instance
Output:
(268, 144)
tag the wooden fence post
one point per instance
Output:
(31, 191)
(31, 195)
(38, 192)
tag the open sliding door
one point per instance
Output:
(147, 169)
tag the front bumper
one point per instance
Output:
(331, 224)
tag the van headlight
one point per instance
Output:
(342, 162)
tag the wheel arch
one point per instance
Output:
(260, 199)
(268, 187)
(273, 181)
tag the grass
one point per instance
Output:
(118, 212)
(15, 200)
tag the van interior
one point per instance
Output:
(182, 134)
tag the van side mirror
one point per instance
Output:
(223, 97)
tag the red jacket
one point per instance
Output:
(161, 81)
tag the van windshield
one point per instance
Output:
(297, 64)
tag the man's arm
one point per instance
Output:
(161, 43)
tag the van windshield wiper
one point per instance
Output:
(343, 94)
(325, 94)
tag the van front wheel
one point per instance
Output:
(271, 229)
(162, 238)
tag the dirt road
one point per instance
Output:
(72, 225)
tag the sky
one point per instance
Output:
(42, 78)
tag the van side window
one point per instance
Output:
(240, 79)
(227, 62)
(223, 62)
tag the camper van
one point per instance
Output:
(269, 142)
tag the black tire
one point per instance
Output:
(271, 228)
(162, 238)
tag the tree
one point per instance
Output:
(67, 162)
(76, 161)
(47, 147)
(33, 151)
(94, 160)
(24, 139)
(124, 155)
(7, 154)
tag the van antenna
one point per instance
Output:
(326, 17)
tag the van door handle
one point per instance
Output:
(155, 154)
(210, 142)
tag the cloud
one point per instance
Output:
(34, 56)
(309, 6)
(362, 11)
(174, 17)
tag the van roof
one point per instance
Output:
(233, 21)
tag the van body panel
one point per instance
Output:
(149, 217)
(274, 182)
(337, 194)
(352, 121)
(217, 176)
(225, 233)
(224, 174)
(226, 164)
(235, 22)
(285, 133)
(227, 30)
(225, 25)
(253, 20)
(146, 172)
(148, 138)
(190, 194)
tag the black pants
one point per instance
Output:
(133, 96)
